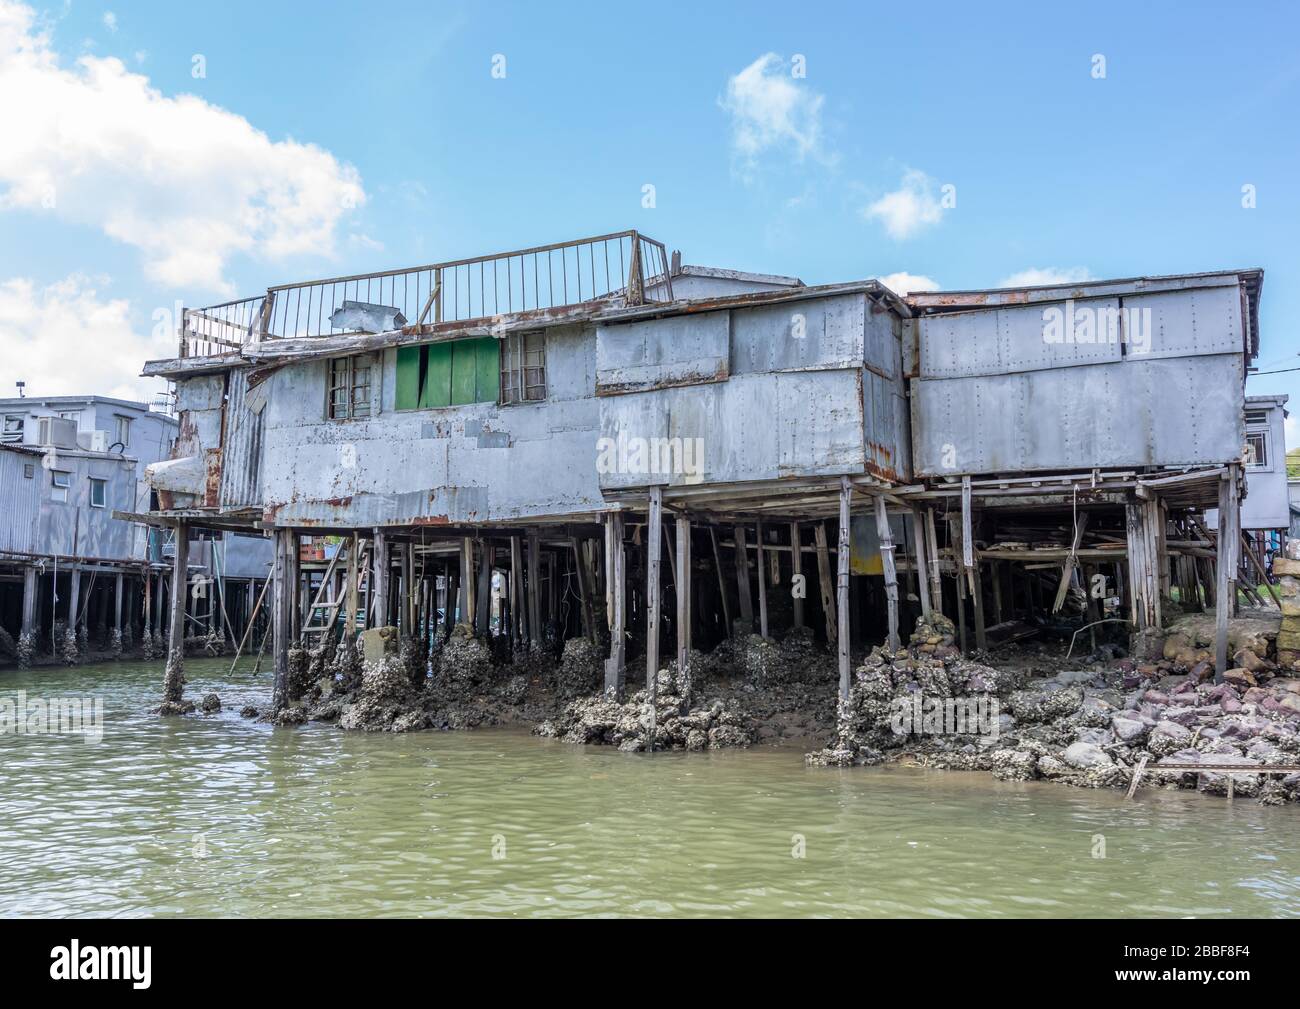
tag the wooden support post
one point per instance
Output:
(380, 581)
(174, 677)
(616, 664)
(955, 527)
(74, 598)
(995, 573)
(654, 532)
(886, 536)
(762, 580)
(842, 587)
(722, 582)
(408, 589)
(159, 613)
(1067, 568)
(28, 629)
(467, 582)
(534, 589)
(483, 611)
(824, 581)
(742, 580)
(796, 570)
(518, 612)
(683, 590)
(1229, 542)
(117, 609)
(284, 602)
(977, 598)
(922, 568)
(353, 594)
(584, 589)
(936, 566)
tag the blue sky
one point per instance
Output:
(335, 138)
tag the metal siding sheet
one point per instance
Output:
(765, 338)
(1188, 323)
(679, 350)
(242, 449)
(1107, 415)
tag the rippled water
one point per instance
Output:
(220, 816)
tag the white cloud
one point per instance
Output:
(110, 21)
(65, 340)
(772, 110)
(909, 209)
(187, 183)
(1042, 276)
(907, 283)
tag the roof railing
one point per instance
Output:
(621, 266)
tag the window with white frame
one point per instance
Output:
(122, 430)
(349, 388)
(1257, 450)
(12, 432)
(523, 368)
(60, 481)
(98, 492)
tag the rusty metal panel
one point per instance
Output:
(677, 350)
(999, 341)
(241, 451)
(1139, 412)
(20, 501)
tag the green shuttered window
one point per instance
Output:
(448, 374)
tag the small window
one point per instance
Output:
(98, 492)
(1257, 450)
(1256, 417)
(122, 430)
(13, 429)
(523, 368)
(451, 373)
(60, 481)
(29, 470)
(72, 415)
(349, 388)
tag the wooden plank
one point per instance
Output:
(922, 567)
(1225, 595)
(762, 582)
(616, 664)
(1067, 568)
(379, 603)
(584, 589)
(534, 589)
(683, 590)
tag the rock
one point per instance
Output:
(1085, 755)
(1043, 704)
(210, 704)
(1013, 765)
(1167, 737)
(1240, 677)
(1128, 730)
(377, 642)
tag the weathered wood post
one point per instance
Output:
(684, 591)
(380, 558)
(1229, 542)
(616, 664)
(796, 570)
(174, 675)
(842, 587)
(722, 582)
(742, 579)
(70, 652)
(582, 573)
(117, 615)
(654, 534)
(922, 567)
(27, 632)
(284, 603)
(824, 581)
(762, 579)
(886, 536)
(518, 611)
(534, 588)
(467, 581)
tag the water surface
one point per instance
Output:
(219, 815)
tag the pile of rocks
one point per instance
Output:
(633, 726)
(1089, 727)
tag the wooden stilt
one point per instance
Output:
(616, 664)
(824, 582)
(380, 580)
(468, 591)
(584, 589)
(842, 587)
(762, 581)
(518, 612)
(683, 587)
(922, 567)
(886, 536)
(483, 595)
(796, 571)
(534, 589)
(742, 580)
(174, 677)
(1225, 594)
(722, 583)
(936, 565)
(654, 531)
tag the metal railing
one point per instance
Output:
(624, 265)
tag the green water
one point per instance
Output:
(221, 816)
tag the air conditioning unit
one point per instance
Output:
(95, 441)
(57, 432)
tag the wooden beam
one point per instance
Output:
(683, 590)
(655, 531)
(796, 570)
(534, 589)
(722, 582)
(1225, 594)
(922, 568)
(742, 580)
(174, 676)
(886, 536)
(616, 664)
(584, 589)
(380, 581)
(1067, 568)
(762, 581)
